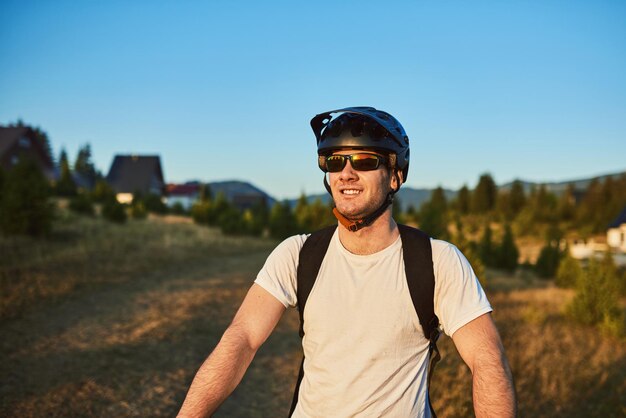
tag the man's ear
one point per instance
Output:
(396, 176)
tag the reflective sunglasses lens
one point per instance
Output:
(365, 162)
(335, 163)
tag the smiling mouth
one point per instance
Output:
(351, 192)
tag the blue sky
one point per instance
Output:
(225, 89)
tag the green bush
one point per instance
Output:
(81, 204)
(231, 222)
(569, 272)
(114, 211)
(24, 206)
(597, 297)
(138, 210)
(548, 260)
(282, 222)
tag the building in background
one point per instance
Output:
(130, 174)
(25, 142)
(184, 194)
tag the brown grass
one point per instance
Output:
(108, 320)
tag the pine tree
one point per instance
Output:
(433, 215)
(517, 198)
(507, 253)
(282, 222)
(597, 297)
(484, 196)
(24, 205)
(486, 251)
(463, 200)
(569, 272)
(84, 166)
(65, 186)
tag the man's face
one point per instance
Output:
(359, 193)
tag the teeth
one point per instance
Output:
(350, 191)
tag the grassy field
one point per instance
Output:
(109, 320)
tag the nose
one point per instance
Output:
(348, 173)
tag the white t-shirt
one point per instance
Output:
(364, 348)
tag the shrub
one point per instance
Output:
(202, 212)
(596, 301)
(25, 206)
(102, 192)
(114, 211)
(178, 209)
(569, 272)
(154, 204)
(231, 222)
(548, 260)
(138, 210)
(507, 253)
(282, 222)
(81, 204)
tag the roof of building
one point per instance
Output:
(621, 219)
(134, 173)
(183, 189)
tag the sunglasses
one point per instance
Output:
(361, 161)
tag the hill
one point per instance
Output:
(408, 196)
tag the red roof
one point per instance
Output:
(182, 189)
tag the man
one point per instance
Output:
(365, 353)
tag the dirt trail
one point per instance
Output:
(131, 348)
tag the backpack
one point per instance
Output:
(417, 254)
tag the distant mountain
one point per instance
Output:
(559, 187)
(232, 188)
(407, 196)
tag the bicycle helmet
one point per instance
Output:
(362, 128)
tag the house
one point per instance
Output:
(22, 141)
(130, 174)
(185, 194)
(616, 234)
(614, 241)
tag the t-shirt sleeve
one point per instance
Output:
(459, 297)
(278, 275)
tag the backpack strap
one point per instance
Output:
(420, 276)
(311, 256)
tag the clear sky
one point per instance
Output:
(225, 89)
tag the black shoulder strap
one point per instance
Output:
(420, 276)
(312, 254)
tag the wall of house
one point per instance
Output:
(616, 237)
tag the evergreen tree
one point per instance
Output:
(569, 272)
(463, 200)
(84, 166)
(549, 258)
(567, 204)
(597, 297)
(206, 194)
(517, 198)
(24, 205)
(484, 196)
(282, 222)
(302, 214)
(486, 251)
(507, 253)
(433, 216)
(469, 251)
(257, 218)
(65, 186)
(102, 192)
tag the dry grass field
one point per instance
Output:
(109, 320)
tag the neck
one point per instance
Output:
(371, 239)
